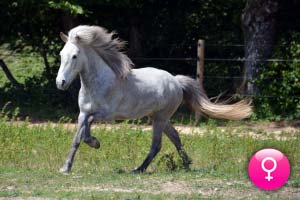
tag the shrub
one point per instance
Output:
(279, 83)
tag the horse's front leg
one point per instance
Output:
(101, 115)
(88, 139)
(82, 132)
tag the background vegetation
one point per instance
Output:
(30, 45)
(31, 154)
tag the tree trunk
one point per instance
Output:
(9, 74)
(259, 25)
(135, 38)
(46, 62)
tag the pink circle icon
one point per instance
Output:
(269, 169)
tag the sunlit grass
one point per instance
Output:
(21, 65)
(31, 156)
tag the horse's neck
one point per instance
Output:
(96, 74)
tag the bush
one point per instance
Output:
(279, 83)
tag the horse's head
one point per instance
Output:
(72, 62)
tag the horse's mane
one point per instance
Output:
(108, 49)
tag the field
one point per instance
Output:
(32, 154)
(21, 65)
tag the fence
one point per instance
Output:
(201, 59)
(200, 66)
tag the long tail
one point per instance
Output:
(195, 97)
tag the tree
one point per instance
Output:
(259, 21)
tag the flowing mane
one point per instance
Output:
(107, 48)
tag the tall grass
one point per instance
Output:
(31, 156)
(216, 152)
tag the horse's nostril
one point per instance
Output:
(63, 82)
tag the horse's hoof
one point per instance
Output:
(187, 168)
(186, 165)
(93, 142)
(64, 170)
(137, 171)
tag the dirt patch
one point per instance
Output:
(24, 198)
(202, 187)
(264, 130)
(175, 187)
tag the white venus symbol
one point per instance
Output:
(269, 177)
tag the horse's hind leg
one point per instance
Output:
(158, 127)
(172, 134)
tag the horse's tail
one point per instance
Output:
(195, 97)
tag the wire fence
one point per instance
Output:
(2, 56)
(216, 59)
(190, 59)
(53, 91)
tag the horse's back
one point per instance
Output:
(158, 81)
(149, 90)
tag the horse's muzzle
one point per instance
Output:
(61, 84)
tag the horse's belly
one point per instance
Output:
(134, 111)
(143, 105)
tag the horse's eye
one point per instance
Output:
(74, 57)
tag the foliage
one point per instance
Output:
(280, 82)
(30, 23)
(155, 28)
(66, 6)
(32, 29)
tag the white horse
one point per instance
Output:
(112, 90)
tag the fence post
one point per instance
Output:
(200, 68)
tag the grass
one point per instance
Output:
(31, 156)
(21, 65)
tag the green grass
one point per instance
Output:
(21, 65)
(31, 156)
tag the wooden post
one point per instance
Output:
(200, 69)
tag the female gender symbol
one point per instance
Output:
(269, 177)
(269, 161)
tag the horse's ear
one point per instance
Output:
(63, 36)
